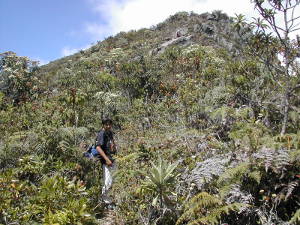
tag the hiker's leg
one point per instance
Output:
(107, 178)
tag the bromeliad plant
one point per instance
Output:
(159, 182)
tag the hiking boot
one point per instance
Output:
(106, 199)
(111, 206)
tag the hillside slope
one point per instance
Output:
(197, 117)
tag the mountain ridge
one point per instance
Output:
(205, 24)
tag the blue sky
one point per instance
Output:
(41, 29)
(46, 30)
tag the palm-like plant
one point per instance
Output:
(159, 182)
(239, 21)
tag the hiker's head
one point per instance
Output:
(107, 124)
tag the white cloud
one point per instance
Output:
(69, 51)
(40, 61)
(98, 31)
(135, 14)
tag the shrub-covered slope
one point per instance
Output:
(198, 120)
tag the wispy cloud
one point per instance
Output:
(40, 61)
(69, 51)
(125, 15)
(66, 51)
(98, 31)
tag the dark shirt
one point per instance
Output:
(104, 140)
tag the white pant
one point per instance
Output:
(108, 180)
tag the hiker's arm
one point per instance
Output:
(102, 153)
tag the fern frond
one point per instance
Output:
(274, 159)
(290, 188)
(208, 170)
(208, 220)
(204, 199)
(72, 134)
(198, 205)
(225, 189)
(296, 218)
(235, 195)
(255, 175)
(295, 155)
(282, 159)
(215, 216)
(233, 175)
(207, 209)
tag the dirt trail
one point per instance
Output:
(110, 218)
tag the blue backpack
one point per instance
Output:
(91, 152)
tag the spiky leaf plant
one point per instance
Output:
(160, 181)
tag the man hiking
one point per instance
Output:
(105, 146)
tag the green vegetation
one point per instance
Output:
(207, 124)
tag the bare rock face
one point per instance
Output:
(208, 29)
(181, 32)
(185, 30)
(183, 40)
